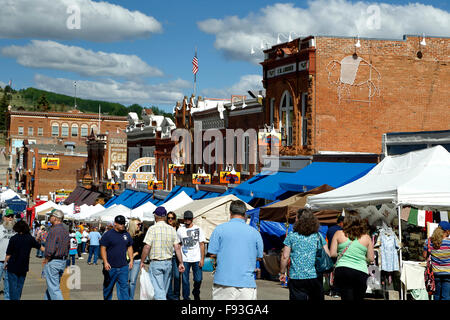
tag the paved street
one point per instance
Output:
(92, 279)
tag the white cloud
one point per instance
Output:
(2, 84)
(128, 92)
(252, 82)
(53, 55)
(236, 36)
(98, 21)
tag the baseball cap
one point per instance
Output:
(9, 212)
(57, 213)
(120, 219)
(188, 215)
(160, 212)
(445, 225)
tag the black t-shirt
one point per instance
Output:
(19, 248)
(138, 245)
(116, 244)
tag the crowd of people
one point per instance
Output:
(173, 248)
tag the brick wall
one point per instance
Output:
(396, 91)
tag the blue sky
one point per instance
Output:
(138, 51)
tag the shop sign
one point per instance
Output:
(201, 178)
(155, 185)
(176, 168)
(269, 138)
(272, 73)
(50, 163)
(230, 177)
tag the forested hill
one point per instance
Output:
(32, 99)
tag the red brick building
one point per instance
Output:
(328, 94)
(55, 129)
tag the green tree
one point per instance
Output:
(3, 110)
(43, 104)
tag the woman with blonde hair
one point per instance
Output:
(440, 260)
(355, 249)
(135, 231)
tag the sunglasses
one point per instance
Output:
(170, 218)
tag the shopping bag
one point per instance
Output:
(147, 290)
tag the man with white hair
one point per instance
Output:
(6, 233)
(55, 254)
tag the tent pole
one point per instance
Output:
(399, 209)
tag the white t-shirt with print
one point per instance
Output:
(190, 239)
(85, 236)
(5, 235)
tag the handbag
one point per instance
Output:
(340, 256)
(429, 275)
(323, 262)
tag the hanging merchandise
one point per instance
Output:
(389, 245)
(412, 219)
(428, 218)
(444, 216)
(404, 215)
(421, 218)
(436, 217)
(374, 280)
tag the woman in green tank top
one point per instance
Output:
(354, 249)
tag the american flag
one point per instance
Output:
(195, 65)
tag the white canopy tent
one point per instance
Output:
(44, 208)
(209, 213)
(178, 201)
(7, 195)
(419, 178)
(109, 214)
(144, 212)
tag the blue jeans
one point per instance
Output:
(198, 277)
(93, 250)
(5, 281)
(442, 291)
(160, 275)
(15, 285)
(71, 257)
(132, 277)
(119, 275)
(174, 287)
(39, 252)
(83, 247)
(53, 272)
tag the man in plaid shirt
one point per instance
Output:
(160, 241)
(55, 255)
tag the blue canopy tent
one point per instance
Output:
(16, 204)
(264, 185)
(120, 199)
(334, 174)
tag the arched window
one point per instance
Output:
(94, 128)
(64, 130)
(74, 131)
(55, 129)
(286, 118)
(84, 130)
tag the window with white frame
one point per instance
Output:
(64, 130)
(84, 130)
(286, 118)
(94, 128)
(40, 131)
(20, 130)
(30, 131)
(74, 130)
(55, 130)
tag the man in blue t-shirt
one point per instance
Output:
(237, 247)
(94, 245)
(114, 246)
